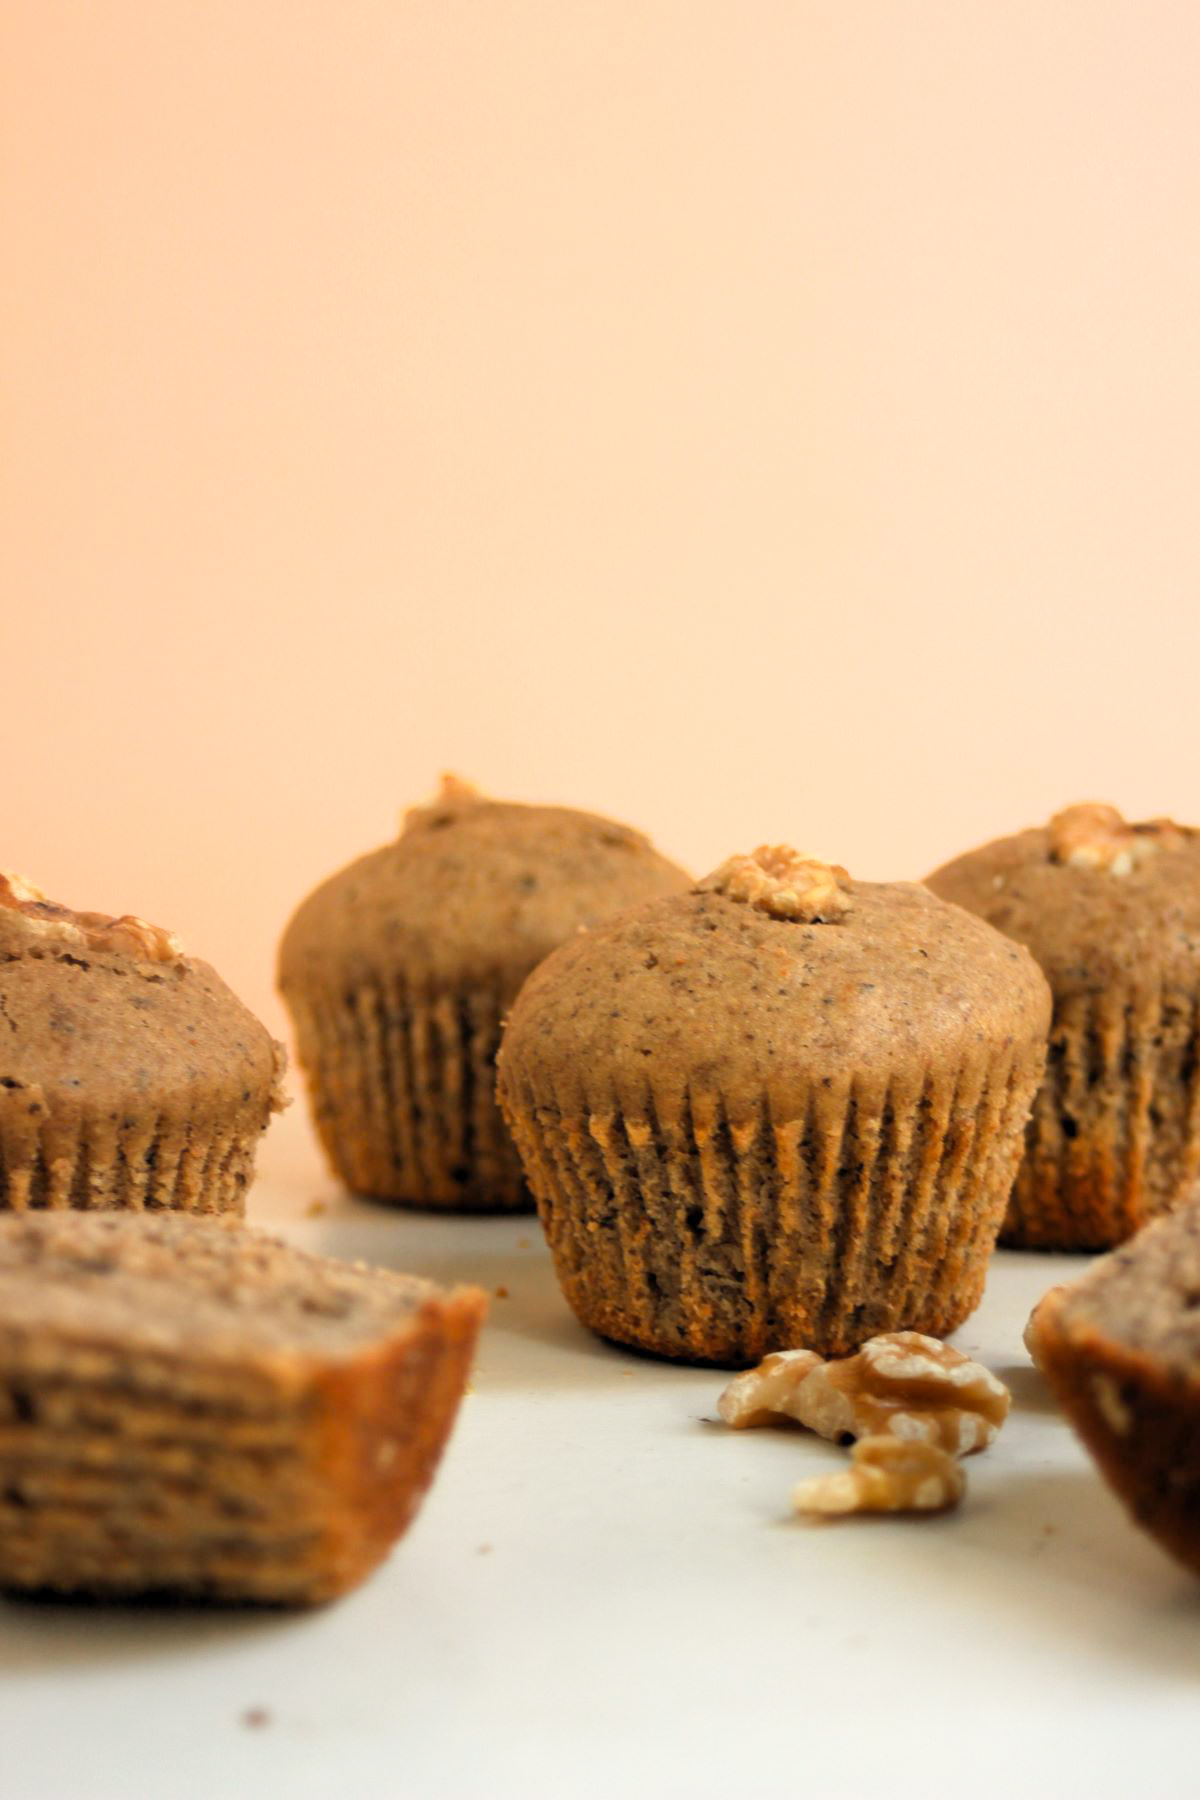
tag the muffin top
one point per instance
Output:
(166, 1284)
(102, 1014)
(773, 976)
(474, 892)
(1100, 902)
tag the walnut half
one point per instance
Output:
(1094, 836)
(902, 1384)
(885, 1475)
(46, 921)
(785, 884)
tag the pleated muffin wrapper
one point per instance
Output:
(680, 1227)
(1114, 1137)
(185, 1159)
(402, 1081)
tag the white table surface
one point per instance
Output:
(605, 1596)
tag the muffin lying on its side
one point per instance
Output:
(1111, 911)
(398, 971)
(1121, 1349)
(780, 1110)
(189, 1407)
(130, 1076)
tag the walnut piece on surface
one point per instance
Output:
(1094, 836)
(902, 1384)
(45, 921)
(454, 797)
(785, 884)
(762, 1396)
(886, 1474)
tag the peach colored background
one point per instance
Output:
(755, 420)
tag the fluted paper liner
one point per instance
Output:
(678, 1229)
(1114, 1136)
(134, 1163)
(402, 1089)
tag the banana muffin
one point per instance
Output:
(189, 1407)
(130, 1076)
(783, 1109)
(1111, 911)
(398, 972)
(1121, 1350)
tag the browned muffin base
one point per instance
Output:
(186, 1407)
(402, 1094)
(1121, 1349)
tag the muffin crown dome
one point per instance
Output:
(100, 1009)
(473, 891)
(850, 981)
(1098, 900)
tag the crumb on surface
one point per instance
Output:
(255, 1717)
(502, 1292)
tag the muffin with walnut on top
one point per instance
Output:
(780, 1109)
(130, 1076)
(1111, 911)
(399, 969)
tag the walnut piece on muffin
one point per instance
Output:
(1094, 836)
(784, 883)
(130, 1076)
(46, 922)
(1111, 911)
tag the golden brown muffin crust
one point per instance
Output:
(472, 893)
(699, 988)
(108, 1032)
(1088, 927)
